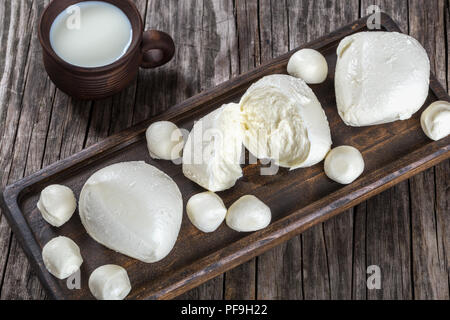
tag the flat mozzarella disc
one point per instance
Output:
(109, 282)
(61, 257)
(380, 77)
(344, 164)
(309, 65)
(435, 120)
(164, 140)
(57, 204)
(206, 211)
(283, 120)
(133, 208)
(213, 150)
(248, 214)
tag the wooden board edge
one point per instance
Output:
(23, 233)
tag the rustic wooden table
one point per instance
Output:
(405, 230)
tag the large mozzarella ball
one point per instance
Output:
(380, 77)
(283, 120)
(164, 140)
(62, 257)
(309, 65)
(344, 164)
(57, 204)
(133, 208)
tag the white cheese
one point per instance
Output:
(248, 214)
(109, 282)
(62, 257)
(164, 140)
(206, 211)
(380, 77)
(283, 120)
(57, 204)
(435, 120)
(133, 208)
(309, 65)
(213, 150)
(344, 164)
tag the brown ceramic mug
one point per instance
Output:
(148, 49)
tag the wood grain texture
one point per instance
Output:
(430, 268)
(25, 153)
(217, 40)
(15, 41)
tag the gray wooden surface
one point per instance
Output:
(405, 230)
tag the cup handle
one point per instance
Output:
(157, 48)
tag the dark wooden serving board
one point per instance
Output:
(298, 199)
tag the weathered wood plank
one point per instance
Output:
(398, 10)
(248, 34)
(442, 172)
(359, 288)
(15, 39)
(388, 243)
(157, 88)
(18, 112)
(430, 269)
(447, 48)
(316, 273)
(443, 169)
(338, 233)
(37, 104)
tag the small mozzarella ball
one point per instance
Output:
(109, 282)
(309, 65)
(164, 140)
(57, 204)
(344, 164)
(435, 120)
(248, 214)
(62, 257)
(206, 211)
